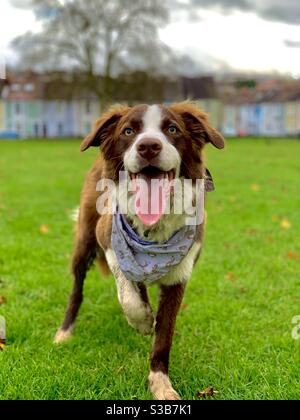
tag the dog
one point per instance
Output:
(144, 142)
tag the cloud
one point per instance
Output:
(225, 5)
(21, 4)
(291, 44)
(287, 11)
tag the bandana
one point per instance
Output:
(142, 261)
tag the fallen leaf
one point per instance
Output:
(275, 218)
(44, 229)
(286, 224)
(252, 232)
(230, 276)
(2, 300)
(120, 369)
(208, 392)
(292, 255)
(255, 187)
(2, 333)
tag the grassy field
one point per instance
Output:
(234, 329)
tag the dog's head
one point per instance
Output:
(154, 142)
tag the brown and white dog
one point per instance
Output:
(169, 140)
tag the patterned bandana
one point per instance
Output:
(142, 261)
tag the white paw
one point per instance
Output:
(161, 387)
(62, 336)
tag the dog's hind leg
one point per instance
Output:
(82, 260)
(84, 256)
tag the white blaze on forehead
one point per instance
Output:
(169, 157)
(152, 118)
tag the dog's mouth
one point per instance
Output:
(151, 187)
(152, 172)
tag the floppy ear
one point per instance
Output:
(197, 123)
(104, 127)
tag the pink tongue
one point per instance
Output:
(150, 199)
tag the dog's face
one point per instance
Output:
(154, 142)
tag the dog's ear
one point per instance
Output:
(104, 127)
(198, 125)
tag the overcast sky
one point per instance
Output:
(255, 35)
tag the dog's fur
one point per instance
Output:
(181, 151)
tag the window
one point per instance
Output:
(15, 87)
(29, 87)
(88, 107)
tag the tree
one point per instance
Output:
(97, 37)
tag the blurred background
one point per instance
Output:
(65, 61)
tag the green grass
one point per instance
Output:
(234, 331)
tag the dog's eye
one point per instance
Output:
(172, 129)
(128, 132)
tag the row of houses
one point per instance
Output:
(59, 105)
(34, 106)
(270, 109)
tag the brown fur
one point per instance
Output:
(94, 231)
(170, 299)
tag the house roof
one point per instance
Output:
(130, 87)
(265, 91)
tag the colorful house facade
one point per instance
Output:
(230, 117)
(86, 112)
(292, 116)
(30, 111)
(272, 120)
(2, 115)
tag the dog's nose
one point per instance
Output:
(149, 148)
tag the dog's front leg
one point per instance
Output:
(134, 300)
(169, 303)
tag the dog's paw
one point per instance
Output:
(62, 335)
(161, 387)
